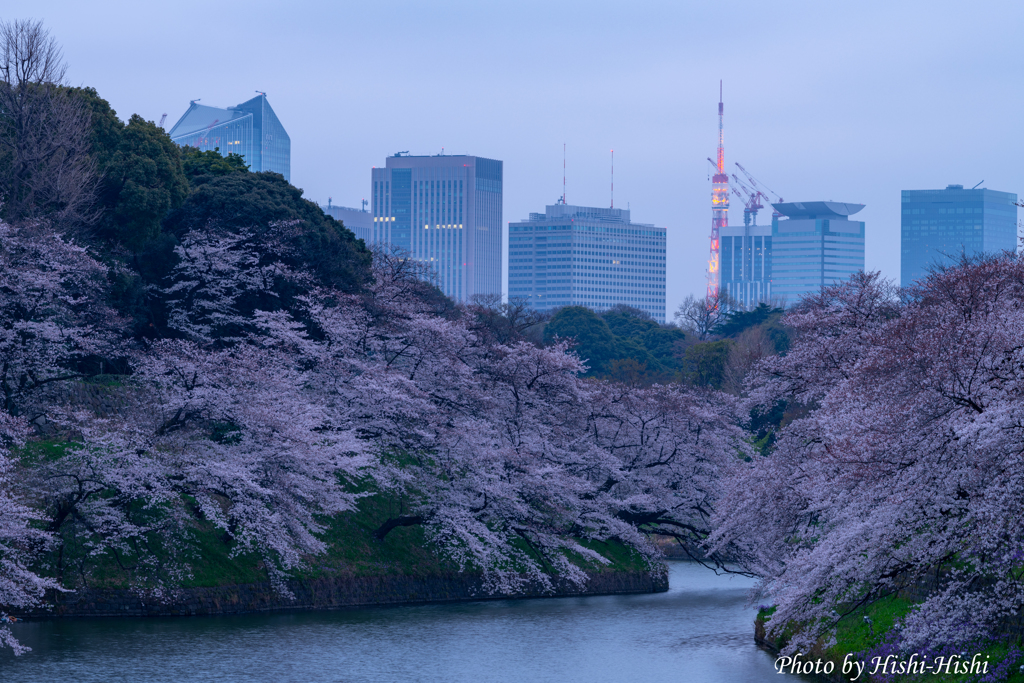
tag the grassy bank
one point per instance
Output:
(863, 639)
(352, 551)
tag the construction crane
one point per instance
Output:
(758, 187)
(752, 200)
(162, 119)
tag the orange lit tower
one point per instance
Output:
(719, 204)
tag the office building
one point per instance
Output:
(937, 226)
(250, 129)
(746, 265)
(814, 244)
(585, 256)
(444, 211)
(359, 221)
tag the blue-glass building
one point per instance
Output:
(746, 263)
(937, 226)
(586, 256)
(814, 244)
(359, 221)
(250, 129)
(444, 211)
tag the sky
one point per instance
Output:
(843, 101)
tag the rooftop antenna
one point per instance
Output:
(973, 188)
(329, 202)
(613, 178)
(364, 205)
(563, 173)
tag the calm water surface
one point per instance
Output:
(699, 631)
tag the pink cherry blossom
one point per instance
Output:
(903, 465)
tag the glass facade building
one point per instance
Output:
(445, 211)
(746, 263)
(585, 256)
(250, 129)
(816, 245)
(937, 226)
(359, 221)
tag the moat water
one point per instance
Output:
(700, 630)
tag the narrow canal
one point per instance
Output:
(700, 630)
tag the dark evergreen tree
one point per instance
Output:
(704, 364)
(143, 180)
(202, 166)
(595, 343)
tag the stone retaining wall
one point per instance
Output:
(325, 593)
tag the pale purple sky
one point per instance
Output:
(843, 101)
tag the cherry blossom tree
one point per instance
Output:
(232, 417)
(52, 321)
(671, 447)
(481, 441)
(907, 466)
(222, 278)
(52, 315)
(55, 330)
(220, 425)
(246, 435)
(21, 541)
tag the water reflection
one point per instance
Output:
(699, 631)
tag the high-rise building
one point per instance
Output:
(444, 211)
(817, 245)
(359, 221)
(250, 129)
(747, 263)
(585, 256)
(938, 226)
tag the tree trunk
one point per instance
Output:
(405, 520)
